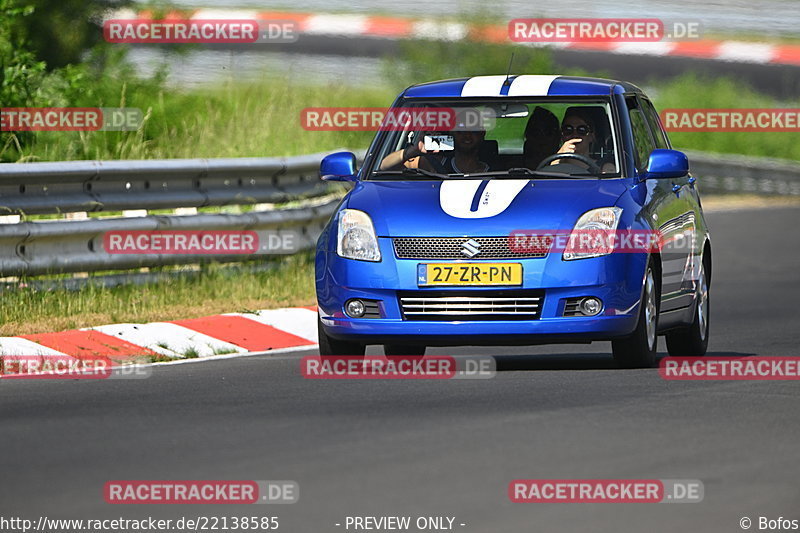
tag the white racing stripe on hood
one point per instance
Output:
(456, 197)
(531, 85)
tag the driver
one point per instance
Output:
(580, 133)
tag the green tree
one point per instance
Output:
(58, 32)
(19, 68)
(21, 75)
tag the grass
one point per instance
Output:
(752, 36)
(191, 353)
(232, 120)
(223, 351)
(214, 290)
(263, 119)
(157, 358)
(694, 91)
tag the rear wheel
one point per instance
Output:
(403, 349)
(639, 349)
(330, 346)
(692, 341)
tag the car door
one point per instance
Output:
(685, 250)
(667, 209)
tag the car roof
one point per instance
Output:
(520, 85)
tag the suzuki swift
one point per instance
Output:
(461, 225)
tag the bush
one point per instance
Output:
(58, 32)
(102, 79)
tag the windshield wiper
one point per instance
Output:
(414, 172)
(528, 172)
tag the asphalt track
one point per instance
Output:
(443, 448)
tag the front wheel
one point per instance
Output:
(692, 341)
(639, 350)
(330, 346)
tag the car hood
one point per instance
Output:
(473, 207)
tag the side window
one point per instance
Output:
(642, 141)
(655, 124)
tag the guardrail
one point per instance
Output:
(742, 174)
(62, 246)
(82, 187)
(31, 248)
(61, 187)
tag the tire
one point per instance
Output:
(692, 341)
(331, 346)
(639, 349)
(402, 349)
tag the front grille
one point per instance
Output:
(451, 248)
(471, 305)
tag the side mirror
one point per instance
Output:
(666, 164)
(340, 166)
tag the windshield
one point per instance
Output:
(440, 139)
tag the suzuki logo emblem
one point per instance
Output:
(470, 248)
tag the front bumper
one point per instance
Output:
(616, 279)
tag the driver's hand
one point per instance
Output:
(416, 150)
(422, 150)
(569, 146)
(421, 146)
(413, 150)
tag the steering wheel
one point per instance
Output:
(593, 167)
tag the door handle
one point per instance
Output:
(676, 188)
(691, 181)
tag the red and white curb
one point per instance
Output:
(230, 334)
(405, 28)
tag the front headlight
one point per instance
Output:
(592, 235)
(356, 237)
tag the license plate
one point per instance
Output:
(469, 274)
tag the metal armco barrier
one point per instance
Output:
(33, 248)
(744, 175)
(61, 187)
(61, 246)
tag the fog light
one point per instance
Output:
(591, 306)
(355, 308)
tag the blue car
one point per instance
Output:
(461, 226)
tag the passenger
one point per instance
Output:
(542, 137)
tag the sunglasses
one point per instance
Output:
(580, 130)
